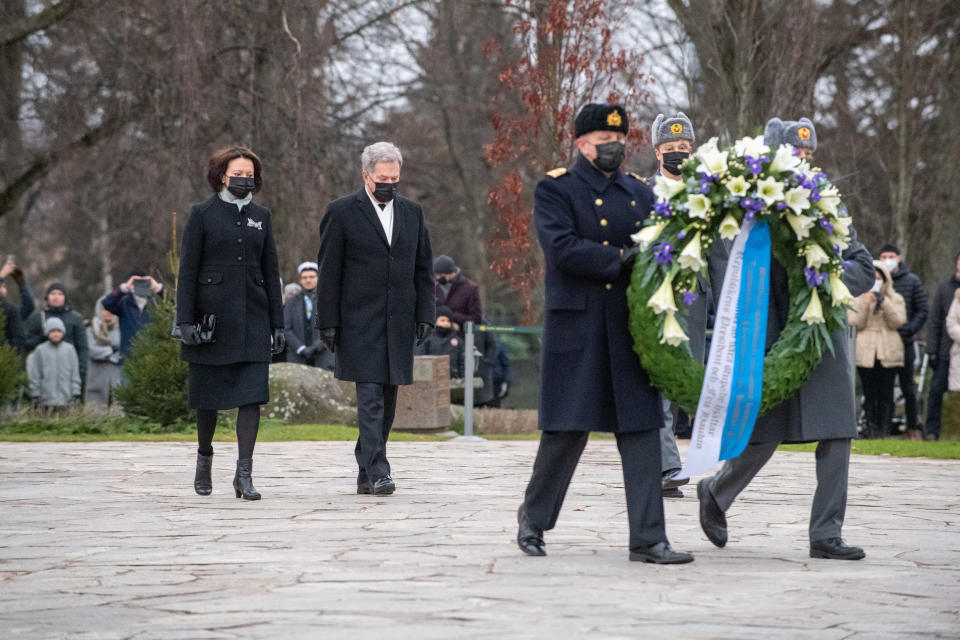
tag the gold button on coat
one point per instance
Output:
(633, 203)
(609, 286)
(606, 242)
(637, 223)
(603, 222)
(598, 202)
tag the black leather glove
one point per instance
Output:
(329, 338)
(279, 341)
(424, 329)
(309, 353)
(933, 359)
(189, 334)
(628, 255)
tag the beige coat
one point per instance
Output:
(953, 329)
(877, 337)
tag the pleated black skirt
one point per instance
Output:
(228, 386)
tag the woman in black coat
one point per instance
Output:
(228, 268)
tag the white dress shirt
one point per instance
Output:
(385, 215)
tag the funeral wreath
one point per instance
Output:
(718, 192)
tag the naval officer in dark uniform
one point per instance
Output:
(591, 377)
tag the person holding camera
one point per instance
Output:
(229, 311)
(129, 303)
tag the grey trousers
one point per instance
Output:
(829, 500)
(669, 453)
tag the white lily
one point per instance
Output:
(829, 201)
(712, 161)
(729, 228)
(666, 188)
(753, 147)
(737, 186)
(801, 225)
(804, 168)
(662, 300)
(815, 256)
(691, 257)
(672, 332)
(841, 242)
(698, 205)
(798, 199)
(646, 236)
(770, 190)
(814, 311)
(784, 160)
(838, 291)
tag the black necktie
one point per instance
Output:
(382, 206)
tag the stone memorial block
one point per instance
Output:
(424, 406)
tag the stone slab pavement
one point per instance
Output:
(109, 541)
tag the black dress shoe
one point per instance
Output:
(670, 481)
(835, 549)
(672, 493)
(660, 553)
(712, 520)
(529, 538)
(383, 487)
(364, 489)
(202, 483)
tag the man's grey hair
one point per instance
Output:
(380, 152)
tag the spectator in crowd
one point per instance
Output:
(938, 347)
(909, 286)
(130, 303)
(11, 270)
(877, 314)
(444, 341)
(953, 329)
(56, 306)
(502, 375)
(455, 291)
(291, 290)
(104, 371)
(54, 370)
(298, 313)
(13, 325)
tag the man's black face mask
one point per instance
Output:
(385, 191)
(672, 161)
(609, 156)
(240, 187)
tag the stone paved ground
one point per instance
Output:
(109, 541)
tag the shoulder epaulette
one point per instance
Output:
(640, 178)
(556, 173)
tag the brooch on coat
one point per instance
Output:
(255, 225)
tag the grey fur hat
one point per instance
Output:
(670, 129)
(800, 133)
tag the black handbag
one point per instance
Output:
(206, 328)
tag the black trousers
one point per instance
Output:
(907, 387)
(376, 406)
(938, 387)
(877, 384)
(557, 459)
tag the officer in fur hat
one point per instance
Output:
(592, 379)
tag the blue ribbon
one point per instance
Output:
(751, 337)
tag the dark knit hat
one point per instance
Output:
(56, 286)
(800, 133)
(892, 248)
(443, 310)
(670, 129)
(444, 264)
(601, 117)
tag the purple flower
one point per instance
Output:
(820, 176)
(814, 195)
(825, 223)
(689, 297)
(704, 188)
(662, 208)
(781, 206)
(705, 177)
(681, 235)
(846, 264)
(836, 249)
(664, 254)
(754, 164)
(749, 215)
(813, 277)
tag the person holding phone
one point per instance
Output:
(229, 279)
(129, 302)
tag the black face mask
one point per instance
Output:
(609, 156)
(672, 161)
(240, 187)
(385, 191)
(443, 279)
(443, 332)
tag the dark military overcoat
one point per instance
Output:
(374, 292)
(591, 377)
(228, 267)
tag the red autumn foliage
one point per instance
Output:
(568, 59)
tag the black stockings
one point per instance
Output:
(248, 424)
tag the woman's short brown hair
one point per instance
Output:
(217, 166)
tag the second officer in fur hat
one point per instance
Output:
(591, 377)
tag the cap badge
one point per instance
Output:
(676, 128)
(803, 133)
(614, 119)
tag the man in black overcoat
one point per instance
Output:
(591, 377)
(374, 295)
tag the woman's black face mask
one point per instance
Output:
(240, 187)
